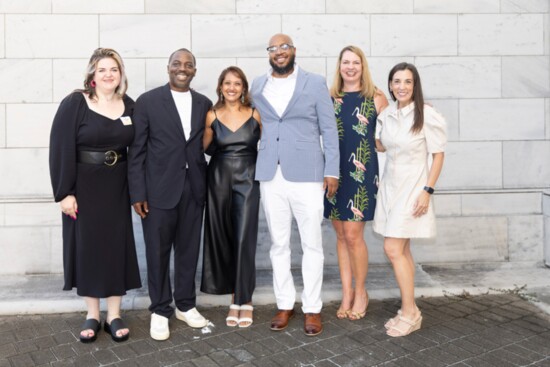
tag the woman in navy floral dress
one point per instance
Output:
(357, 103)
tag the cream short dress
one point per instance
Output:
(406, 170)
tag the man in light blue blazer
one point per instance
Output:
(295, 170)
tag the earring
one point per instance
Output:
(221, 97)
(92, 84)
(242, 98)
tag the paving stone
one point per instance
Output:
(23, 360)
(64, 351)
(7, 350)
(407, 362)
(42, 356)
(266, 362)
(425, 358)
(226, 358)
(105, 356)
(509, 357)
(356, 358)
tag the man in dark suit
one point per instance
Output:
(167, 179)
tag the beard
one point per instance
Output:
(283, 70)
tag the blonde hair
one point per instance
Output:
(100, 54)
(368, 89)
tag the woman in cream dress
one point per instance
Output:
(408, 131)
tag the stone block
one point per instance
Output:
(2, 125)
(189, 7)
(380, 68)
(500, 34)
(97, 6)
(447, 205)
(236, 35)
(29, 125)
(524, 6)
(460, 77)
(25, 6)
(449, 109)
(50, 36)
(525, 164)
(29, 80)
(525, 76)
(465, 239)
(547, 118)
(28, 173)
(325, 35)
(524, 203)
(501, 119)
(68, 75)
(135, 72)
(456, 6)
(18, 241)
(546, 203)
(525, 236)
(472, 165)
(41, 214)
(414, 35)
(156, 73)
(145, 35)
(275, 7)
(253, 67)
(369, 6)
(546, 242)
(2, 38)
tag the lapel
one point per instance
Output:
(300, 84)
(196, 123)
(260, 95)
(170, 105)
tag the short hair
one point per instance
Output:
(368, 89)
(100, 54)
(240, 74)
(182, 50)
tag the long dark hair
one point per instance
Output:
(245, 98)
(417, 95)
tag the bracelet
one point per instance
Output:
(429, 190)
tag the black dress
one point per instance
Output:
(99, 255)
(232, 207)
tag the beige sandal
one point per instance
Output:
(391, 322)
(411, 325)
(342, 314)
(233, 321)
(245, 322)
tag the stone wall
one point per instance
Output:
(485, 64)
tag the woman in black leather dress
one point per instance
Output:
(231, 220)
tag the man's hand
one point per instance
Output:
(141, 208)
(331, 185)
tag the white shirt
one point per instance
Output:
(279, 91)
(183, 102)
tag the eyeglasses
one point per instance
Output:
(283, 47)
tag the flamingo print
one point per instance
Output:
(355, 211)
(361, 118)
(357, 163)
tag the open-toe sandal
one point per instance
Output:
(342, 314)
(408, 326)
(90, 324)
(245, 322)
(233, 321)
(393, 320)
(116, 325)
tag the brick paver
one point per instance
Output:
(487, 330)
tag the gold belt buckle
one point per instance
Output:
(111, 155)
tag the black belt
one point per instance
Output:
(109, 158)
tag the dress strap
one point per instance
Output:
(215, 114)
(252, 115)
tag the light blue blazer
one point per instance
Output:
(292, 140)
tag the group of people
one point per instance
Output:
(308, 152)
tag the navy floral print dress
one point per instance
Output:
(355, 199)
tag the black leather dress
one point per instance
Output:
(231, 218)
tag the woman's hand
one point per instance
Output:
(69, 206)
(421, 205)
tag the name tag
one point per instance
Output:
(126, 120)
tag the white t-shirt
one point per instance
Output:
(279, 91)
(183, 102)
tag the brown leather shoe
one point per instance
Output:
(280, 320)
(312, 324)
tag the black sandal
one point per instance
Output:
(90, 324)
(116, 325)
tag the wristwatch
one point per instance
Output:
(429, 190)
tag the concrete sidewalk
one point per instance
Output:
(473, 315)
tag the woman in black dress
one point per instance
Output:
(90, 135)
(231, 221)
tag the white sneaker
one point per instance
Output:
(159, 327)
(192, 317)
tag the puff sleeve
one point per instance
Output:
(380, 123)
(435, 130)
(63, 145)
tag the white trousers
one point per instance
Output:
(281, 200)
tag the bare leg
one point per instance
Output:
(359, 260)
(92, 304)
(113, 312)
(398, 251)
(233, 314)
(345, 270)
